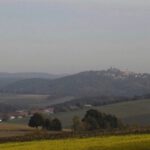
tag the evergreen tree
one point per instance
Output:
(36, 120)
(47, 124)
(56, 125)
(96, 120)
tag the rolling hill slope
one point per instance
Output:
(90, 83)
(132, 112)
(7, 79)
(28, 86)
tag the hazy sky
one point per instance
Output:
(67, 36)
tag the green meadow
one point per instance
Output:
(127, 142)
(131, 112)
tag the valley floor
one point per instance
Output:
(127, 142)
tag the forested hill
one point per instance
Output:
(89, 83)
(7, 79)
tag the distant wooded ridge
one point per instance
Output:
(89, 83)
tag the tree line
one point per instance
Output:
(38, 120)
(93, 120)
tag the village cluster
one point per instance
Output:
(25, 113)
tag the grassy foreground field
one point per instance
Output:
(128, 142)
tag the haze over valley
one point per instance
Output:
(74, 74)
